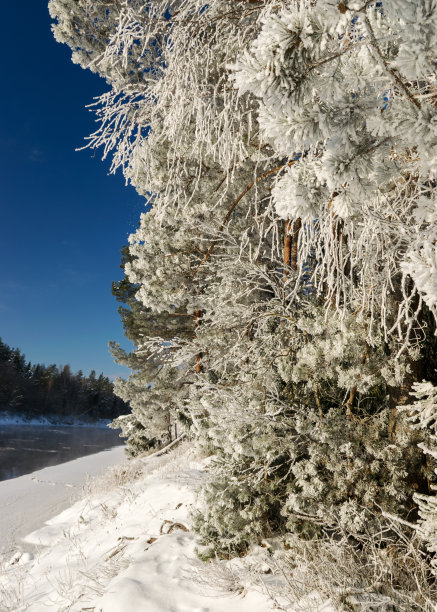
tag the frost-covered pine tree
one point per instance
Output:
(349, 87)
(423, 413)
(287, 151)
(152, 388)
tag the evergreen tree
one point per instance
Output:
(287, 151)
(423, 413)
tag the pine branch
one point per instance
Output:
(384, 62)
(231, 210)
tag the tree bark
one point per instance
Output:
(294, 253)
(287, 246)
(198, 316)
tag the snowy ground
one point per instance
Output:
(127, 547)
(26, 502)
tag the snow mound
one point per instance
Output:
(127, 546)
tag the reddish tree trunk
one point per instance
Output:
(296, 229)
(287, 246)
(291, 241)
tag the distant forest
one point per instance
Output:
(32, 390)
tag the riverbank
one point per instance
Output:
(128, 545)
(9, 418)
(28, 501)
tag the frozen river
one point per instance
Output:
(26, 448)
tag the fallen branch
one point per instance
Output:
(163, 450)
(172, 527)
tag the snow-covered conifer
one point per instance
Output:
(287, 151)
(349, 88)
(423, 413)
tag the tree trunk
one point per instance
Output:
(198, 316)
(170, 438)
(287, 247)
(291, 241)
(296, 229)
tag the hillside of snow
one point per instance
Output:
(127, 546)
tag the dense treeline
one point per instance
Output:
(33, 390)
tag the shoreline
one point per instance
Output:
(28, 501)
(128, 545)
(6, 418)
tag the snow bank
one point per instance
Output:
(26, 502)
(127, 546)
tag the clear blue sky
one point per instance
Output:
(63, 219)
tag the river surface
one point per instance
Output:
(26, 448)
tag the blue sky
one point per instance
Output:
(63, 219)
